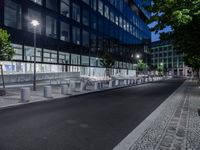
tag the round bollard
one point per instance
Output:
(110, 84)
(72, 86)
(64, 89)
(125, 82)
(47, 91)
(25, 94)
(129, 82)
(96, 85)
(116, 82)
(82, 86)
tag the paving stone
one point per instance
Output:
(177, 127)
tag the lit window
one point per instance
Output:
(29, 54)
(50, 56)
(64, 58)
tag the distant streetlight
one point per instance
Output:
(34, 23)
(161, 64)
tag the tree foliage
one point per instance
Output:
(107, 61)
(183, 16)
(6, 49)
(141, 65)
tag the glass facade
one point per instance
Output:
(76, 33)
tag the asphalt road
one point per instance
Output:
(92, 122)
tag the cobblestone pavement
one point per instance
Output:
(174, 125)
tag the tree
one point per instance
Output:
(107, 62)
(141, 65)
(183, 17)
(6, 51)
(194, 62)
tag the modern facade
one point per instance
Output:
(163, 53)
(74, 34)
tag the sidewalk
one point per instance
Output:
(13, 97)
(174, 125)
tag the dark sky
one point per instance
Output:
(156, 37)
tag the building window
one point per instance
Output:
(100, 9)
(50, 56)
(18, 52)
(64, 58)
(76, 35)
(86, 1)
(29, 54)
(65, 8)
(93, 21)
(93, 41)
(33, 15)
(76, 12)
(116, 20)
(51, 27)
(94, 4)
(85, 38)
(52, 4)
(112, 17)
(64, 31)
(12, 14)
(38, 1)
(75, 59)
(85, 17)
(85, 60)
(106, 12)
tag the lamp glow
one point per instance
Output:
(35, 23)
(137, 56)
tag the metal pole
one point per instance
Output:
(34, 71)
(172, 62)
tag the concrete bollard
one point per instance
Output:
(110, 84)
(25, 94)
(64, 89)
(47, 91)
(72, 86)
(116, 82)
(96, 85)
(82, 86)
(125, 82)
(129, 81)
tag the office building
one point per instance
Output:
(74, 34)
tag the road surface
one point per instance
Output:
(92, 122)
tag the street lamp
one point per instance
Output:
(137, 57)
(34, 23)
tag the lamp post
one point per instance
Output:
(137, 57)
(35, 23)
